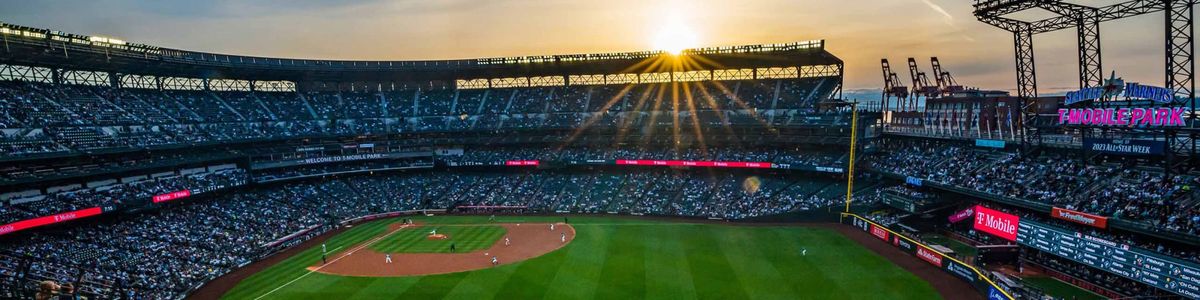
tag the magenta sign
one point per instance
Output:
(1127, 117)
(962, 215)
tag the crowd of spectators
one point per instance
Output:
(114, 194)
(1112, 189)
(55, 118)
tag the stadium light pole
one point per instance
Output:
(853, 145)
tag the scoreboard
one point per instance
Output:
(1144, 266)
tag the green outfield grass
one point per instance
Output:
(1056, 288)
(623, 258)
(466, 238)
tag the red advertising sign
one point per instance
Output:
(47, 220)
(172, 196)
(689, 163)
(929, 255)
(996, 223)
(521, 163)
(1079, 217)
(879, 232)
(962, 215)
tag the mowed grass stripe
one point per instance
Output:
(578, 276)
(759, 277)
(531, 279)
(381, 289)
(712, 275)
(667, 275)
(624, 273)
(434, 286)
(803, 274)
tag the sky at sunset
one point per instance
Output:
(859, 31)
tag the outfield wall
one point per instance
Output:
(959, 269)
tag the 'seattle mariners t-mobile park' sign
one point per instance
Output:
(1115, 88)
(1129, 117)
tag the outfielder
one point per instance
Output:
(803, 251)
(387, 258)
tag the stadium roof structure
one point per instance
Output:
(58, 51)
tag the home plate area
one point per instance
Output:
(419, 249)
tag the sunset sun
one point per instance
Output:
(674, 37)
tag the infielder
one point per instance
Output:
(564, 237)
(495, 261)
(506, 241)
(551, 226)
(387, 258)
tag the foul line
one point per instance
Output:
(368, 243)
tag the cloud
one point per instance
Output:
(949, 18)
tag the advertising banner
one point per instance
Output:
(962, 215)
(929, 256)
(1124, 146)
(1079, 217)
(969, 274)
(171, 196)
(1124, 117)
(879, 232)
(521, 163)
(913, 181)
(996, 223)
(689, 163)
(51, 219)
(990, 143)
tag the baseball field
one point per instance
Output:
(591, 258)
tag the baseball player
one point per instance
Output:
(495, 261)
(506, 241)
(564, 237)
(323, 248)
(387, 258)
(803, 251)
(452, 250)
(551, 226)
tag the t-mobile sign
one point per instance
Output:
(996, 223)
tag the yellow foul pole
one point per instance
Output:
(853, 146)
